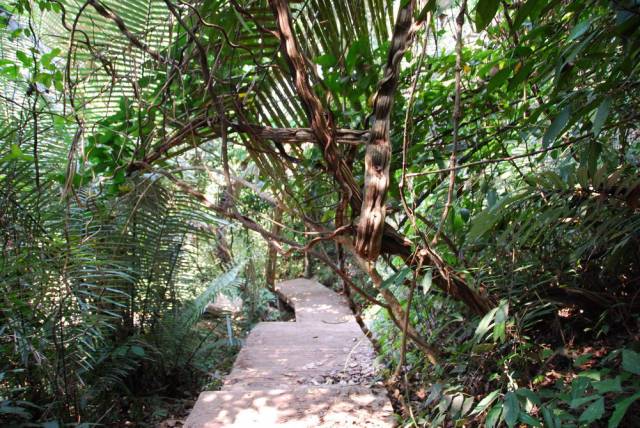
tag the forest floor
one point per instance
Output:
(316, 372)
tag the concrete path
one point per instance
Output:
(314, 372)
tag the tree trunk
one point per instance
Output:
(308, 265)
(272, 254)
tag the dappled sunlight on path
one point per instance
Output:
(315, 372)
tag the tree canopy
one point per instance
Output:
(465, 171)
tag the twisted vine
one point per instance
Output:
(378, 155)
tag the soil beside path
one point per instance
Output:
(315, 372)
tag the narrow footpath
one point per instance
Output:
(315, 372)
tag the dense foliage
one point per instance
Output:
(154, 154)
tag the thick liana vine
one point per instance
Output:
(378, 156)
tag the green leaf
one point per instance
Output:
(521, 75)
(582, 359)
(527, 10)
(493, 416)
(485, 11)
(482, 223)
(16, 154)
(456, 405)
(550, 420)
(326, 60)
(26, 60)
(14, 410)
(621, 409)
(46, 59)
(429, 7)
(601, 116)
(631, 361)
(466, 406)
(529, 420)
(357, 52)
(591, 375)
(593, 412)
(499, 327)
(492, 198)
(608, 385)
(427, 281)
(529, 394)
(397, 278)
(137, 350)
(498, 79)
(511, 409)
(557, 126)
(485, 324)
(11, 71)
(485, 402)
(579, 29)
(593, 153)
(581, 401)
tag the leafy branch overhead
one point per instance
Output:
(467, 172)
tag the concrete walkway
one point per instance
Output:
(315, 372)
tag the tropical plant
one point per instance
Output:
(483, 152)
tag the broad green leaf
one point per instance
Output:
(15, 411)
(503, 311)
(492, 198)
(485, 11)
(485, 402)
(594, 150)
(456, 405)
(593, 412)
(525, 11)
(137, 350)
(579, 29)
(522, 74)
(601, 116)
(620, 410)
(529, 420)
(631, 361)
(434, 394)
(427, 281)
(557, 126)
(16, 154)
(429, 7)
(582, 359)
(511, 409)
(608, 385)
(500, 321)
(26, 60)
(581, 401)
(591, 375)
(46, 59)
(550, 419)
(498, 79)
(397, 278)
(482, 223)
(357, 52)
(493, 417)
(444, 403)
(466, 406)
(326, 60)
(485, 324)
(529, 394)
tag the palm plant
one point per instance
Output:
(505, 169)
